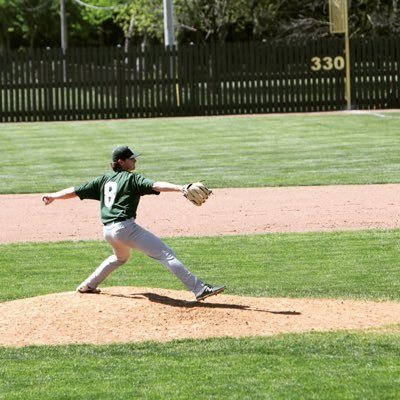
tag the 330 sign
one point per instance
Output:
(327, 63)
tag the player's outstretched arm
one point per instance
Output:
(166, 187)
(64, 194)
(197, 192)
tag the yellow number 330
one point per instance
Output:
(327, 63)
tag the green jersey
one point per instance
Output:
(118, 192)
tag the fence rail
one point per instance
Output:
(236, 78)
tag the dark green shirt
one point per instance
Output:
(118, 192)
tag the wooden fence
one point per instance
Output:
(234, 78)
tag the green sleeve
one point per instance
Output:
(90, 190)
(144, 185)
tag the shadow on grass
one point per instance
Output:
(169, 301)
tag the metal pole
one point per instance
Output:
(63, 17)
(169, 31)
(64, 37)
(169, 39)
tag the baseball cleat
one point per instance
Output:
(209, 291)
(87, 289)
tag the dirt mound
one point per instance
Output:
(128, 314)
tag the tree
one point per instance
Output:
(36, 23)
(374, 18)
(300, 19)
(143, 20)
(138, 19)
(215, 21)
(27, 23)
(229, 20)
(5, 26)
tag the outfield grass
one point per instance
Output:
(309, 366)
(232, 151)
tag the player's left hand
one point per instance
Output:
(196, 192)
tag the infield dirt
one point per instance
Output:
(126, 314)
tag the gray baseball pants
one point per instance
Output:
(126, 235)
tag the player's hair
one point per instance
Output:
(116, 166)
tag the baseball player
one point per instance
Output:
(119, 193)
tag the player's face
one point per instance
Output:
(128, 164)
(131, 164)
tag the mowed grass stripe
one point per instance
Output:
(308, 366)
(240, 151)
(358, 265)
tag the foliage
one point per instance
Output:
(374, 17)
(145, 18)
(29, 20)
(35, 23)
(215, 21)
(240, 19)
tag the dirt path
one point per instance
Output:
(127, 314)
(228, 212)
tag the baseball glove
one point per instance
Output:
(196, 192)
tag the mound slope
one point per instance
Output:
(129, 314)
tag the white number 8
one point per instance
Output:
(110, 191)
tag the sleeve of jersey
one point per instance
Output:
(89, 190)
(144, 185)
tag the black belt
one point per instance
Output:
(116, 220)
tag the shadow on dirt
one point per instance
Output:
(169, 301)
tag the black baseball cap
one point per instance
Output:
(123, 152)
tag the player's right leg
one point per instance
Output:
(121, 256)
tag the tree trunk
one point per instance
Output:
(130, 33)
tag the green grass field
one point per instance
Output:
(356, 265)
(255, 151)
(309, 366)
(351, 365)
(227, 152)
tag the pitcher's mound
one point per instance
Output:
(129, 314)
